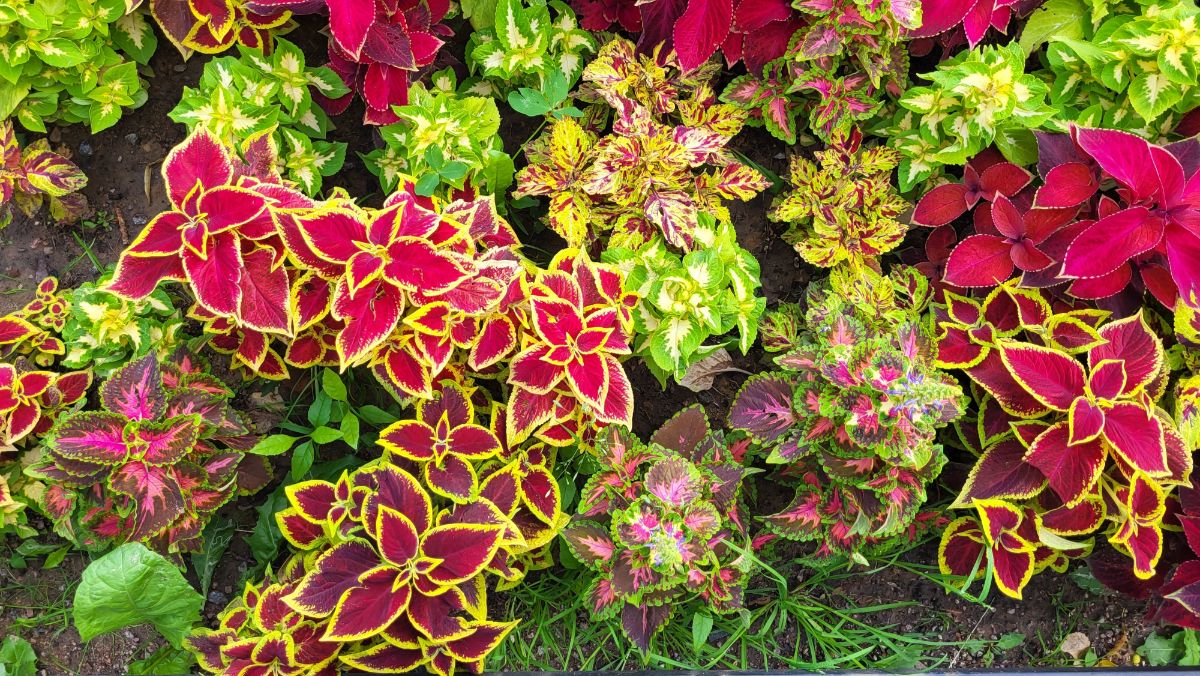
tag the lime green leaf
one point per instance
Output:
(332, 384)
(132, 585)
(1055, 19)
(17, 657)
(302, 460)
(273, 445)
(350, 430)
(325, 435)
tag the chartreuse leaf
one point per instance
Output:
(132, 585)
(332, 384)
(273, 445)
(17, 657)
(302, 459)
(350, 430)
(1056, 18)
(167, 660)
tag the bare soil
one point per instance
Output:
(123, 166)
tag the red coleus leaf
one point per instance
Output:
(1002, 472)
(1067, 185)
(1136, 435)
(200, 160)
(700, 30)
(463, 550)
(1011, 534)
(263, 293)
(1072, 470)
(1164, 209)
(942, 205)
(1080, 519)
(350, 23)
(1131, 342)
(482, 640)
(333, 574)
(980, 260)
(962, 548)
(377, 598)
(452, 477)
(1139, 532)
(1105, 245)
(1053, 378)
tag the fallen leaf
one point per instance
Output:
(700, 375)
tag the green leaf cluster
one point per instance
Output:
(979, 97)
(1138, 69)
(1179, 649)
(71, 61)
(106, 331)
(330, 418)
(241, 97)
(688, 299)
(525, 47)
(444, 140)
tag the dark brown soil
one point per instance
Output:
(123, 166)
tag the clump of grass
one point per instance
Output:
(786, 624)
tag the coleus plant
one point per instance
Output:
(32, 331)
(525, 45)
(842, 57)
(662, 525)
(219, 237)
(651, 174)
(165, 450)
(259, 631)
(401, 288)
(688, 300)
(1093, 436)
(33, 394)
(843, 208)
(240, 98)
(580, 325)
(105, 331)
(977, 98)
(1161, 200)
(213, 26)
(443, 440)
(852, 413)
(377, 47)
(36, 175)
(396, 577)
(31, 400)
(447, 141)
(1136, 70)
(1028, 227)
(62, 61)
